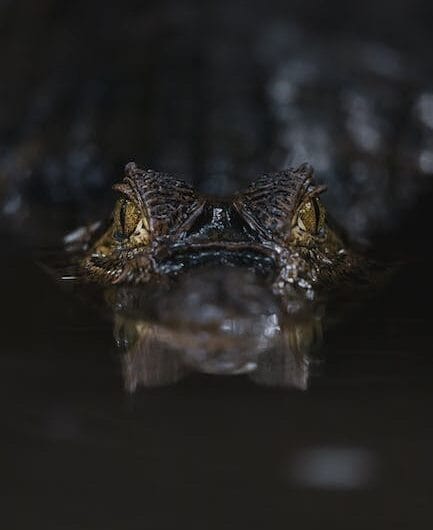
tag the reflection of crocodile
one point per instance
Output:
(224, 321)
(161, 227)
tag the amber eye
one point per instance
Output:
(126, 219)
(311, 217)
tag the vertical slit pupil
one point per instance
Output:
(316, 213)
(122, 216)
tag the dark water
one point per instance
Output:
(354, 449)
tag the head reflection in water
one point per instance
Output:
(223, 321)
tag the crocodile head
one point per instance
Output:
(161, 227)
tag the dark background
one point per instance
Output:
(206, 90)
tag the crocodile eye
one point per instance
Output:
(126, 219)
(311, 217)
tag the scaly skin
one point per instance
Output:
(161, 227)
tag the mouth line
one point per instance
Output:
(221, 246)
(224, 252)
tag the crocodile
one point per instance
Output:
(220, 286)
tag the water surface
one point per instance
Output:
(354, 450)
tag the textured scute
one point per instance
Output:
(170, 203)
(270, 202)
